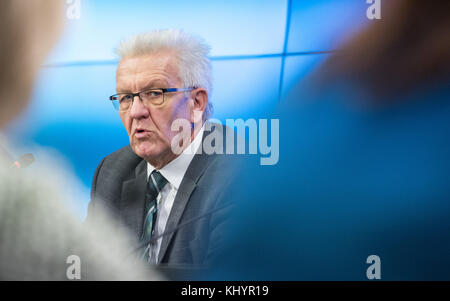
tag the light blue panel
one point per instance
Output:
(230, 27)
(78, 93)
(298, 67)
(245, 88)
(320, 25)
(71, 113)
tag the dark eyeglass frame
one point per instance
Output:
(115, 99)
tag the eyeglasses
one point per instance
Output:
(122, 101)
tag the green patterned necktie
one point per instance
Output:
(156, 183)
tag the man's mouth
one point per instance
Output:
(141, 133)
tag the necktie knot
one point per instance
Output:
(156, 183)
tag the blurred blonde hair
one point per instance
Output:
(28, 29)
(37, 230)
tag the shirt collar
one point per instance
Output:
(175, 170)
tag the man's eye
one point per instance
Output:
(125, 98)
(152, 94)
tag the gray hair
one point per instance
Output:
(194, 66)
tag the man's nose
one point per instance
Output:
(138, 110)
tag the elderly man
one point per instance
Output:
(169, 200)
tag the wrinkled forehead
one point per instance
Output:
(157, 70)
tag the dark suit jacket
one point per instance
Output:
(193, 230)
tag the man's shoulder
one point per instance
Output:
(122, 154)
(121, 161)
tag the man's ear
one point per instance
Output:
(200, 100)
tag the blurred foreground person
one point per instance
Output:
(40, 238)
(364, 164)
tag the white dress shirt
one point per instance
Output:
(174, 173)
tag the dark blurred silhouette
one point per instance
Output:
(407, 49)
(364, 163)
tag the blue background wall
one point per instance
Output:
(260, 49)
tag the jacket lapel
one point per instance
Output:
(189, 183)
(132, 202)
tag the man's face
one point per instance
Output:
(149, 127)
